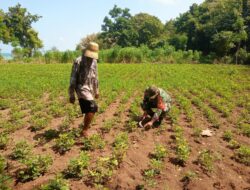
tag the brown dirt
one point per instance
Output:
(226, 175)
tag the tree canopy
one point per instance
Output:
(219, 27)
(16, 29)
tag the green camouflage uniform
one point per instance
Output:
(151, 108)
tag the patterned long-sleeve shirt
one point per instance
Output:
(162, 103)
(84, 79)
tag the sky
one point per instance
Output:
(65, 22)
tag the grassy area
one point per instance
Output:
(32, 96)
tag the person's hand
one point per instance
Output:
(72, 99)
(97, 96)
(148, 124)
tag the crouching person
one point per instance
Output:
(156, 104)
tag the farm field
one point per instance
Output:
(39, 129)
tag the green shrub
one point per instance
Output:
(35, 167)
(77, 166)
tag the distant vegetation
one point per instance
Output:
(215, 31)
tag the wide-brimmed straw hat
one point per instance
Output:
(92, 50)
(151, 92)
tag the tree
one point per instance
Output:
(95, 37)
(150, 30)
(17, 29)
(118, 29)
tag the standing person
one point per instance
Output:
(84, 81)
(156, 104)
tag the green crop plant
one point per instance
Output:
(4, 104)
(4, 139)
(102, 172)
(39, 122)
(5, 180)
(120, 146)
(242, 155)
(188, 176)
(131, 126)
(182, 151)
(35, 167)
(206, 159)
(58, 183)
(108, 125)
(233, 144)
(64, 143)
(77, 166)
(65, 124)
(148, 176)
(21, 151)
(160, 152)
(56, 110)
(245, 129)
(227, 135)
(174, 115)
(197, 132)
(93, 142)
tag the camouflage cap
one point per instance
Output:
(151, 92)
